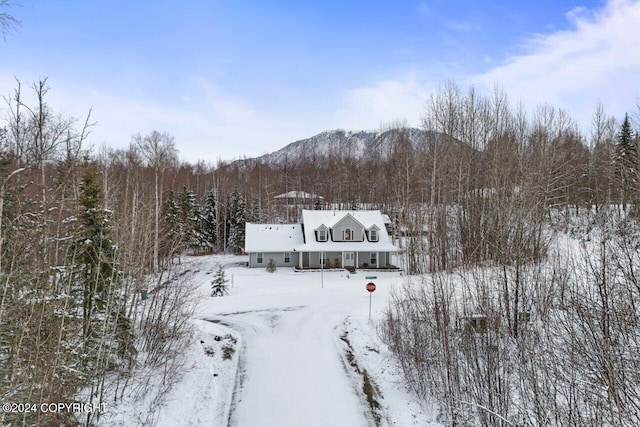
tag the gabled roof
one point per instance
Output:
(298, 195)
(292, 237)
(313, 219)
(272, 237)
(348, 215)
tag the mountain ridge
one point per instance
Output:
(357, 144)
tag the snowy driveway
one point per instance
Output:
(301, 352)
(291, 372)
(293, 375)
(280, 350)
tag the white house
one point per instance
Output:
(277, 242)
(331, 239)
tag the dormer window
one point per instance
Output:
(322, 235)
(347, 234)
(373, 235)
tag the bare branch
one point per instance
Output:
(7, 21)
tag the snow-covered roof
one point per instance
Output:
(272, 237)
(298, 195)
(313, 219)
(289, 237)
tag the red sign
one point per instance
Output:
(371, 286)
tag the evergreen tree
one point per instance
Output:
(355, 203)
(98, 276)
(219, 283)
(188, 219)
(253, 212)
(237, 219)
(208, 221)
(271, 266)
(171, 227)
(179, 223)
(627, 163)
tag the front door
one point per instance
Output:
(349, 259)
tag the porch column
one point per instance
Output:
(377, 259)
(342, 262)
(356, 263)
(300, 259)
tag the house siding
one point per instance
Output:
(335, 259)
(385, 259)
(364, 259)
(312, 259)
(330, 259)
(253, 260)
(305, 249)
(277, 257)
(350, 223)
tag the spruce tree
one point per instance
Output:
(219, 283)
(188, 219)
(171, 227)
(208, 221)
(237, 212)
(627, 163)
(98, 275)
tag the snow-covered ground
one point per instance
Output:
(290, 349)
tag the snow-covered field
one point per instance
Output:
(290, 349)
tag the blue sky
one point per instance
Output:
(241, 78)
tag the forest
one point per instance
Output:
(506, 326)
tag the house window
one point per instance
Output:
(322, 235)
(259, 258)
(347, 234)
(373, 235)
(287, 257)
(374, 258)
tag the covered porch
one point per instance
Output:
(350, 260)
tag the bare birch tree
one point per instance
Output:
(159, 151)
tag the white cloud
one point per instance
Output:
(598, 59)
(371, 106)
(207, 122)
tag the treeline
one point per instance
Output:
(506, 321)
(548, 343)
(91, 299)
(85, 234)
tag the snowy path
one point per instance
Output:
(293, 374)
(279, 350)
(290, 365)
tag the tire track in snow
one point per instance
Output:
(290, 372)
(240, 332)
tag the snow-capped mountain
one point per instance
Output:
(354, 144)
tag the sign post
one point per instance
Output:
(371, 287)
(322, 270)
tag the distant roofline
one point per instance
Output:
(298, 194)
